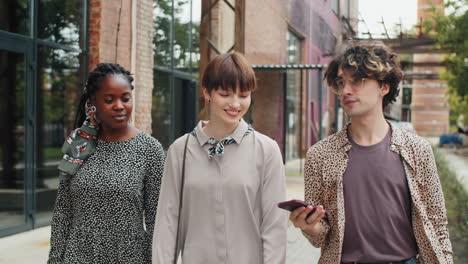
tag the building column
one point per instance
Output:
(430, 109)
(120, 34)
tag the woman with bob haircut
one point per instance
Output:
(222, 182)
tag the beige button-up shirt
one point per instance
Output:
(323, 171)
(229, 212)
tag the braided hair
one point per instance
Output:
(95, 77)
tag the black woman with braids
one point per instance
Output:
(110, 178)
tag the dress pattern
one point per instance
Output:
(106, 212)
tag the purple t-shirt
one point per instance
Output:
(377, 206)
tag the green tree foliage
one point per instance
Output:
(456, 201)
(163, 12)
(450, 30)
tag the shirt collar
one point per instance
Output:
(398, 143)
(397, 137)
(237, 135)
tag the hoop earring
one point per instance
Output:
(90, 111)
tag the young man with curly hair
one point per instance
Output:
(376, 187)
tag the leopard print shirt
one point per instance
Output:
(325, 165)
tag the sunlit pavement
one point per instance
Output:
(32, 247)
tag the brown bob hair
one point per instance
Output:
(227, 72)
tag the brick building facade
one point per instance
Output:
(122, 33)
(164, 44)
(290, 106)
(430, 109)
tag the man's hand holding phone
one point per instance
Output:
(304, 216)
(310, 225)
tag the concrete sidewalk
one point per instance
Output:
(32, 247)
(29, 247)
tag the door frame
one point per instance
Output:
(24, 45)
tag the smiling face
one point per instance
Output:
(113, 101)
(227, 106)
(228, 82)
(361, 96)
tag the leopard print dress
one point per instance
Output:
(101, 213)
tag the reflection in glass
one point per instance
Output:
(182, 24)
(185, 48)
(59, 85)
(162, 17)
(176, 59)
(187, 27)
(12, 138)
(161, 111)
(62, 22)
(14, 16)
(335, 6)
(196, 20)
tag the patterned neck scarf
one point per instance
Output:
(218, 145)
(79, 145)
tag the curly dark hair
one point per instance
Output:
(95, 77)
(368, 59)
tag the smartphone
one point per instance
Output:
(292, 205)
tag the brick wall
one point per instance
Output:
(266, 44)
(144, 65)
(110, 40)
(110, 32)
(430, 109)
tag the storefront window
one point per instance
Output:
(293, 112)
(176, 67)
(161, 110)
(15, 16)
(59, 86)
(61, 22)
(43, 74)
(12, 138)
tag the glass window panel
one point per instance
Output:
(12, 139)
(182, 30)
(62, 22)
(162, 16)
(195, 53)
(335, 6)
(346, 9)
(294, 49)
(293, 100)
(59, 84)
(14, 16)
(161, 113)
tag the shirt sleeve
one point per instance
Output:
(274, 224)
(313, 194)
(433, 199)
(151, 189)
(61, 222)
(164, 238)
